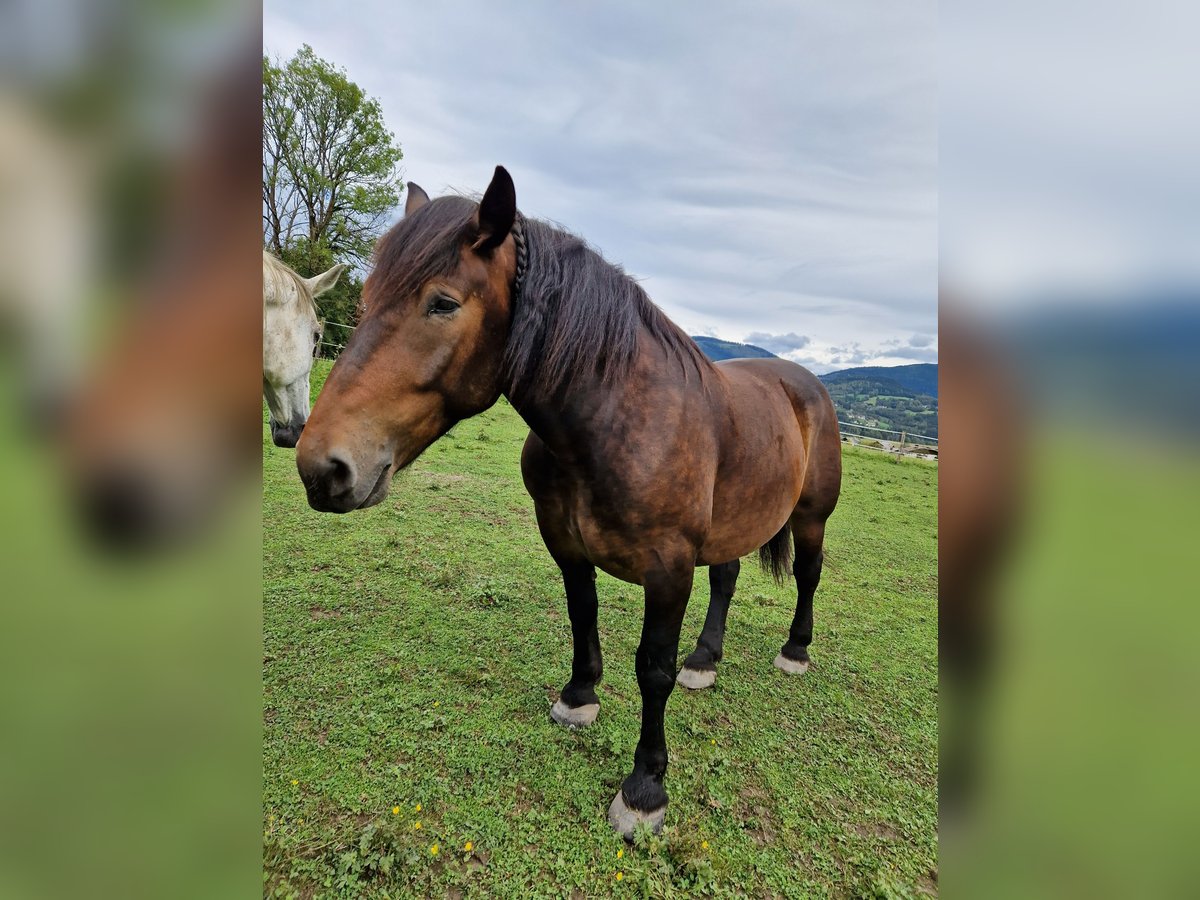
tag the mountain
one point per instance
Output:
(921, 378)
(871, 396)
(716, 349)
(898, 398)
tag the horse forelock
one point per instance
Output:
(282, 287)
(575, 316)
(420, 247)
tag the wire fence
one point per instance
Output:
(908, 442)
(335, 347)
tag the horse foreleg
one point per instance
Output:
(642, 798)
(578, 705)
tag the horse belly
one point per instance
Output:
(754, 497)
(734, 536)
(628, 551)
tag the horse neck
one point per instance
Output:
(588, 412)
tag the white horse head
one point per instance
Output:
(49, 218)
(291, 330)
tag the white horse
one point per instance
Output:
(48, 242)
(291, 330)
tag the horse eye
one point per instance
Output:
(442, 305)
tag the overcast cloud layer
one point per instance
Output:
(1068, 151)
(765, 169)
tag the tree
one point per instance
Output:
(339, 305)
(330, 174)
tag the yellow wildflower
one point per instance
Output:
(434, 850)
(295, 782)
(395, 810)
(468, 846)
(704, 845)
(620, 853)
(620, 875)
(417, 808)
(713, 741)
(416, 826)
(437, 703)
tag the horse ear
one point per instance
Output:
(497, 212)
(416, 198)
(319, 284)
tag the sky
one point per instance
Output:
(768, 170)
(1068, 151)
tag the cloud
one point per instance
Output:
(822, 357)
(918, 348)
(765, 168)
(778, 343)
(1027, 216)
(852, 355)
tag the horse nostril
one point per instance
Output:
(340, 475)
(118, 509)
(330, 476)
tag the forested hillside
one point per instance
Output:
(863, 397)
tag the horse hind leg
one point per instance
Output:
(806, 567)
(700, 668)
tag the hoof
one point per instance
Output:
(624, 820)
(696, 679)
(791, 666)
(574, 716)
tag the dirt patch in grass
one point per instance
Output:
(880, 830)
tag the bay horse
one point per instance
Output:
(643, 459)
(291, 332)
(162, 437)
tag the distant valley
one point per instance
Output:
(870, 396)
(900, 398)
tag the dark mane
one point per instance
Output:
(577, 315)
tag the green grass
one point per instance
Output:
(412, 652)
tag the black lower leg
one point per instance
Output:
(722, 579)
(586, 665)
(807, 569)
(666, 601)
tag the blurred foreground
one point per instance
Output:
(1069, 723)
(129, 433)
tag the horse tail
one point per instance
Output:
(775, 556)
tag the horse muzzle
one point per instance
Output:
(286, 435)
(335, 483)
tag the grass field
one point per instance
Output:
(412, 652)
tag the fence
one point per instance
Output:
(335, 347)
(905, 442)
